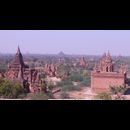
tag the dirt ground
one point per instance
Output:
(84, 94)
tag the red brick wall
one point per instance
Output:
(100, 82)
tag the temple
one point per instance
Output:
(17, 68)
(103, 76)
(19, 71)
(50, 70)
(82, 63)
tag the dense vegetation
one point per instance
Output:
(74, 81)
(63, 71)
(9, 89)
(67, 85)
(83, 77)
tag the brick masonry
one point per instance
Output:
(100, 82)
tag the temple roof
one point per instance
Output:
(106, 57)
(18, 60)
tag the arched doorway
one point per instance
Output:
(107, 69)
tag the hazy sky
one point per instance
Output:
(68, 41)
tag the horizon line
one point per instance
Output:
(9, 53)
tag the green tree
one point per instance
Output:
(85, 73)
(70, 87)
(67, 85)
(64, 82)
(63, 71)
(86, 82)
(9, 89)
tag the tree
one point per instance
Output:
(118, 91)
(63, 71)
(86, 82)
(83, 77)
(67, 85)
(86, 73)
(76, 77)
(9, 89)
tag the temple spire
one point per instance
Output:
(18, 50)
(18, 60)
(104, 55)
(106, 64)
(108, 53)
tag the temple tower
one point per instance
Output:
(16, 67)
(105, 64)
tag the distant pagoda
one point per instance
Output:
(61, 54)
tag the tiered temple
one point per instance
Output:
(17, 67)
(104, 76)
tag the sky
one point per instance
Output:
(91, 42)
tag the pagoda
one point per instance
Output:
(17, 67)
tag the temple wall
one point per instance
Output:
(100, 82)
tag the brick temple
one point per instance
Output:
(30, 78)
(17, 70)
(103, 76)
(83, 63)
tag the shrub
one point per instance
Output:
(82, 76)
(67, 85)
(76, 77)
(86, 73)
(64, 82)
(117, 89)
(104, 96)
(63, 71)
(85, 82)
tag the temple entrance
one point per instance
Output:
(106, 69)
